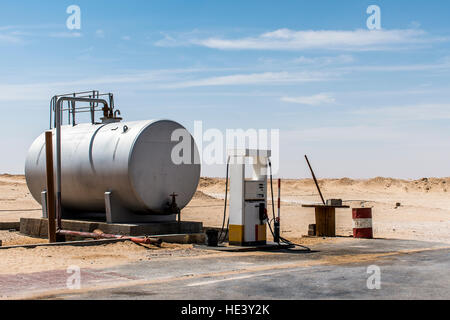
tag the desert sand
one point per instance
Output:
(424, 215)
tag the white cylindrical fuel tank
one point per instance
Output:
(130, 159)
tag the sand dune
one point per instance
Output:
(427, 185)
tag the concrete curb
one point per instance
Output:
(69, 243)
(267, 247)
(10, 225)
(195, 238)
(38, 227)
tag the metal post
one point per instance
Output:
(73, 111)
(58, 162)
(315, 180)
(277, 220)
(279, 198)
(50, 187)
(58, 106)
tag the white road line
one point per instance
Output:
(203, 283)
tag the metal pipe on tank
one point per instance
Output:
(59, 103)
(141, 240)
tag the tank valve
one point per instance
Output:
(172, 207)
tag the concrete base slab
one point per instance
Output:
(38, 227)
(267, 247)
(195, 238)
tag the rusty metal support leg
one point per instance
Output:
(50, 187)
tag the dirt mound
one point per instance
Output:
(208, 182)
(8, 179)
(345, 182)
(202, 196)
(431, 184)
(300, 183)
(378, 184)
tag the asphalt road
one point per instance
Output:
(345, 270)
(417, 276)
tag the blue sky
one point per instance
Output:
(360, 103)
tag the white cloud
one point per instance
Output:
(17, 34)
(65, 35)
(100, 33)
(9, 34)
(255, 78)
(10, 38)
(414, 112)
(399, 68)
(415, 24)
(341, 59)
(286, 39)
(126, 38)
(39, 91)
(179, 38)
(343, 134)
(314, 100)
(156, 79)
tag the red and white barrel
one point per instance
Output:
(362, 223)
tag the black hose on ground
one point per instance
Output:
(284, 240)
(225, 208)
(222, 235)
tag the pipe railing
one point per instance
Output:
(83, 94)
(72, 110)
(58, 110)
